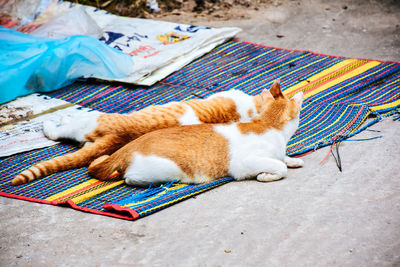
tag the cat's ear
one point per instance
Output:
(298, 98)
(265, 94)
(276, 89)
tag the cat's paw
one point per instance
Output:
(65, 120)
(50, 130)
(293, 162)
(269, 177)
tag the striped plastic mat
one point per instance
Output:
(339, 95)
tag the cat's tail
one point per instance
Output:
(77, 159)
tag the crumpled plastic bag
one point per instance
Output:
(74, 22)
(31, 64)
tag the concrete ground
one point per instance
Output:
(317, 216)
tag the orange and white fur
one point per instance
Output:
(103, 134)
(205, 152)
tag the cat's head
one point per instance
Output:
(279, 110)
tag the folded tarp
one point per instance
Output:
(158, 48)
(31, 64)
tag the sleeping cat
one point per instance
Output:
(103, 134)
(202, 153)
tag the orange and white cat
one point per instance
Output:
(205, 152)
(103, 134)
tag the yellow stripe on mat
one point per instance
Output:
(329, 72)
(332, 76)
(349, 75)
(84, 191)
(94, 193)
(72, 189)
(385, 106)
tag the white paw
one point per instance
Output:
(294, 162)
(50, 130)
(268, 177)
(65, 120)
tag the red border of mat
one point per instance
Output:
(133, 214)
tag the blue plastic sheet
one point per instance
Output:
(31, 64)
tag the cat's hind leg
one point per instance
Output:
(293, 162)
(68, 131)
(74, 128)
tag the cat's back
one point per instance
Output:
(198, 153)
(247, 106)
(175, 138)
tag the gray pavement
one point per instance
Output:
(317, 216)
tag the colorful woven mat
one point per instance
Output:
(339, 95)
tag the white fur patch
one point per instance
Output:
(75, 129)
(243, 102)
(251, 154)
(145, 170)
(189, 117)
